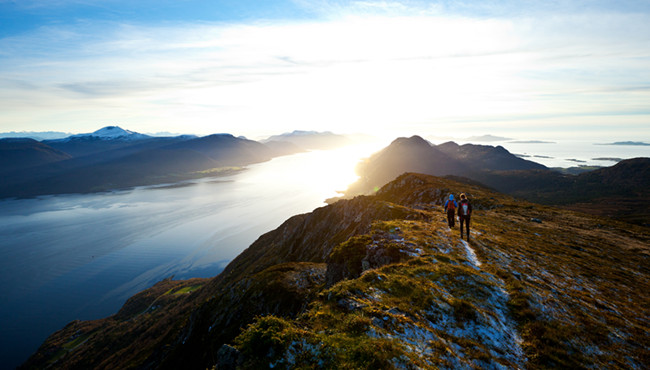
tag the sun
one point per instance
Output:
(332, 171)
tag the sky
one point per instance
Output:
(521, 69)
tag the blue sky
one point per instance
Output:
(24, 15)
(525, 69)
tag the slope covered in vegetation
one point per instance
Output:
(382, 282)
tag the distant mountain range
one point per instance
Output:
(36, 135)
(617, 191)
(311, 139)
(488, 138)
(114, 158)
(632, 143)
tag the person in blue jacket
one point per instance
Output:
(450, 208)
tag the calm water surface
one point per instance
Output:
(81, 256)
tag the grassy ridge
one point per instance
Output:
(566, 292)
(382, 282)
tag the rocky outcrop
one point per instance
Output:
(367, 252)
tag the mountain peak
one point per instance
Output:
(111, 133)
(114, 132)
(413, 140)
(222, 135)
(302, 132)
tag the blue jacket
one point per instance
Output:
(453, 201)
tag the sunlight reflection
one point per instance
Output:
(335, 169)
(328, 172)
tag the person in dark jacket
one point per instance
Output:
(450, 208)
(464, 214)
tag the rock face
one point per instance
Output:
(382, 282)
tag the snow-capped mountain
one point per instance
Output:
(112, 133)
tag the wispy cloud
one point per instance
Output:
(362, 65)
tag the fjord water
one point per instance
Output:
(72, 257)
(574, 153)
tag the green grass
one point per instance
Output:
(217, 171)
(187, 289)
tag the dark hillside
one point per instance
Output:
(226, 149)
(617, 191)
(142, 162)
(29, 181)
(620, 191)
(381, 282)
(27, 153)
(144, 168)
(84, 146)
(628, 177)
(486, 157)
(412, 154)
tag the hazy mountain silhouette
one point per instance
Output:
(487, 138)
(226, 149)
(113, 158)
(311, 139)
(36, 135)
(281, 147)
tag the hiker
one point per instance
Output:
(464, 213)
(450, 208)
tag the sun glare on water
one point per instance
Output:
(337, 167)
(334, 169)
(324, 172)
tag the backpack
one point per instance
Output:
(464, 208)
(450, 205)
